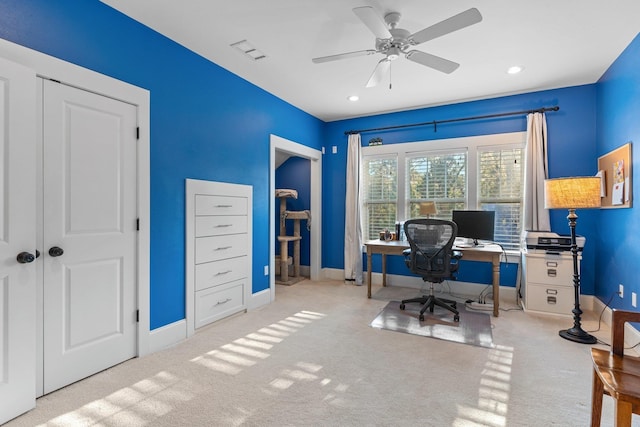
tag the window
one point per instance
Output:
(501, 190)
(380, 184)
(440, 177)
(483, 172)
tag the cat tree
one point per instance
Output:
(283, 261)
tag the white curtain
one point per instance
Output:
(535, 216)
(352, 226)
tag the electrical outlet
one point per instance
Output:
(621, 290)
(634, 301)
(334, 149)
(266, 270)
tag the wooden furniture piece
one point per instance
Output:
(486, 253)
(548, 284)
(218, 250)
(616, 374)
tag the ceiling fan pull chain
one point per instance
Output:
(389, 77)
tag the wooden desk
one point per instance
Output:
(486, 253)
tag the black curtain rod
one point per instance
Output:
(435, 122)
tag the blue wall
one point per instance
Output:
(206, 123)
(571, 152)
(618, 104)
(295, 173)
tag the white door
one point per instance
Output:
(89, 233)
(17, 235)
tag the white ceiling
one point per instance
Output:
(558, 42)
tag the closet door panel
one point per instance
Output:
(90, 211)
(17, 236)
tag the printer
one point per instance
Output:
(547, 241)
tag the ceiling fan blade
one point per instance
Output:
(373, 21)
(343, 56)
(432, 61)
(456, 22)
(379, 73)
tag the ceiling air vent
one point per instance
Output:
(248, 50)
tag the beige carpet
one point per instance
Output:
(311, 359)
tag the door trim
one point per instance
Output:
(315, 156)
(49, 67)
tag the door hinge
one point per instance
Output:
(137, 224)
(137, 316)
(138, 132)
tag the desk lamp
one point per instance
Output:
(573, 193)
(427, 209)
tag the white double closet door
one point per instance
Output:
(68, 192)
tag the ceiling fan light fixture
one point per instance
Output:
(393, 53)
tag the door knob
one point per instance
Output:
(25, 257)
(55, 251)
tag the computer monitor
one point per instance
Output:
(475, 225)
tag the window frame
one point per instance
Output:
(473, 145)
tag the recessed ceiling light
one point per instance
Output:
(514, 70)
(353, 98)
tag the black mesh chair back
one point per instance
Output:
(431, 242)
(431, 256)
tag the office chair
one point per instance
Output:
(431, 256)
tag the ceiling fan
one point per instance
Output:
(392, 41)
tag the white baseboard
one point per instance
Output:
(259, 299)
(631, 334)
(463, 289)
(167, 336)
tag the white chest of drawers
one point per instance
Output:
(218, 250)
(549, 282)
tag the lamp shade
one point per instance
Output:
(428, 208)
(572, 193)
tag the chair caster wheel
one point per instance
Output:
(401, 306)
(456, 318)
(421, 317)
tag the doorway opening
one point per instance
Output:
(280, 150)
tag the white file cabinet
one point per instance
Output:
(548, 284)
(218, 242)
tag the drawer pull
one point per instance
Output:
(552, 291)
(552, 264)
(223, 248)
(223, 302)
(224, 206)
(224, 225)
(551, 300)
(221, 273)
(551, 272)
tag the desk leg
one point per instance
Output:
(384, 269)
(496, 285)
(368, 273)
